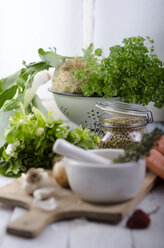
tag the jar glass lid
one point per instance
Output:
(120, 107)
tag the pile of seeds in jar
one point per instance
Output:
(119, 132)
(122, 121)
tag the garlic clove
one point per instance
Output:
(47, 205)
(43, 193)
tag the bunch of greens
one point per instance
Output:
(31, 137)
(131, 72)
(137, 150)
(13, 89)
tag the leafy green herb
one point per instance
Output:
(13, 89)
(31, 138)
(91, 77)
(51, 57)
(131, 72)
(137, 150)
(14, 86)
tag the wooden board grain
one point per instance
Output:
(69, 206)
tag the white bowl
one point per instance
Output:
(78, 108)
(103, 184)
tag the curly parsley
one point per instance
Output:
(132, 72)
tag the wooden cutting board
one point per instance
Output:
(69, 206)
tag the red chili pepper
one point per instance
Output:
(138, 220)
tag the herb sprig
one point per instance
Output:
(137, 150)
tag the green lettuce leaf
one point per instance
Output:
(30, 138)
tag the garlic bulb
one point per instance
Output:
(35, 179)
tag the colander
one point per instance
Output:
(79, 109)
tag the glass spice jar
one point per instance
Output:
(122, 124)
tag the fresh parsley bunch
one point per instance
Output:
(31, 137)
(132, 72)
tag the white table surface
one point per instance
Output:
(81, 233)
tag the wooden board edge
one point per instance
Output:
(112, 218)
(14, 203)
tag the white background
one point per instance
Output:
(26, 25)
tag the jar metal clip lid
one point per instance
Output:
(125, 109)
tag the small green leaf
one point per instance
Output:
(7, 95)
(51, 58)
(98, 52)
(8, 82)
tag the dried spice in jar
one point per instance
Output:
(120, 132)
(122, 124)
